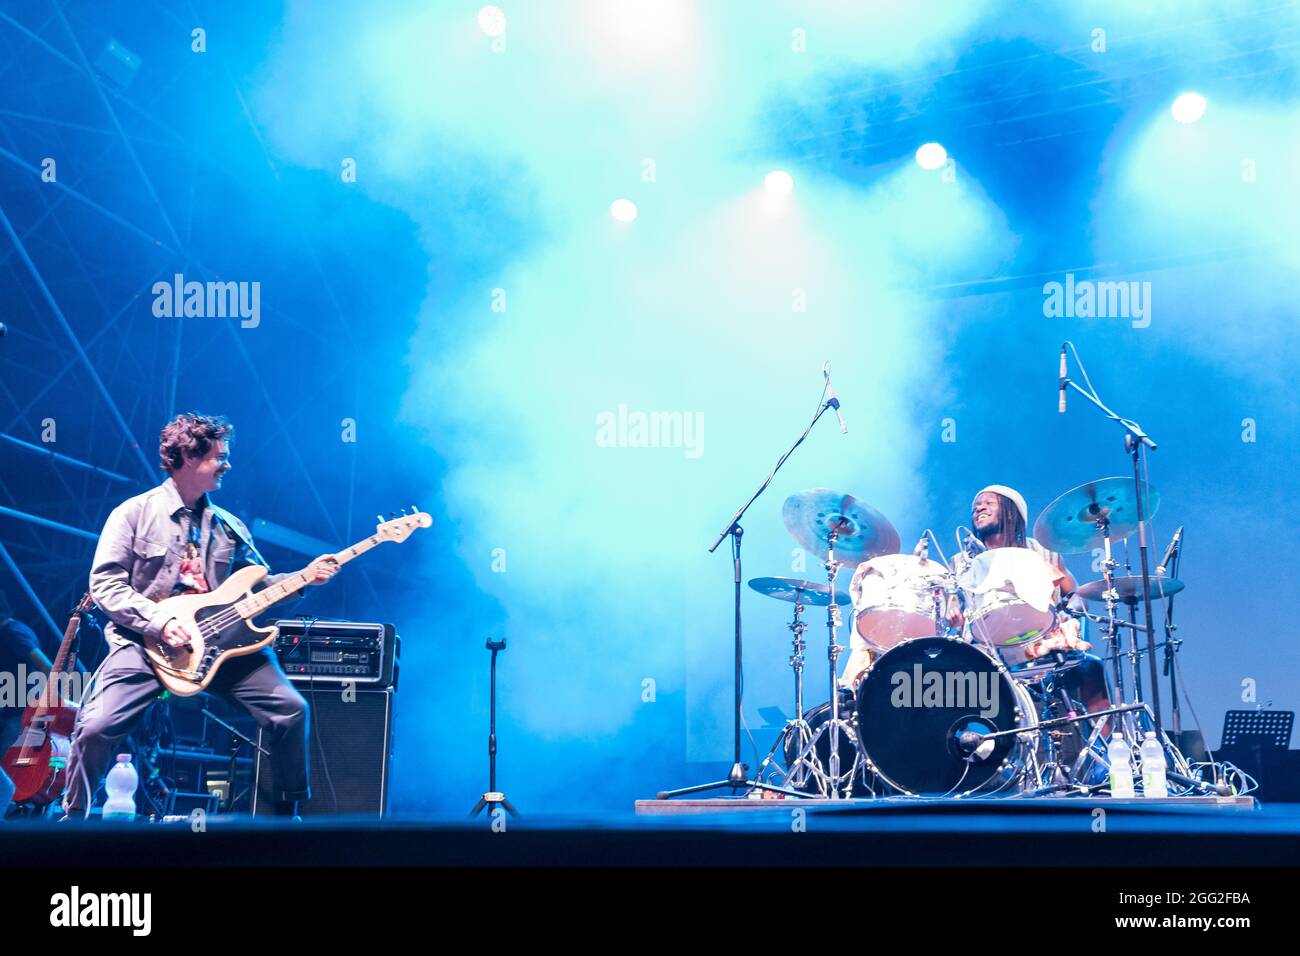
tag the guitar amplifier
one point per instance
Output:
(338, 652)
(350, 741)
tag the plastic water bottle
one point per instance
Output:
(121, 783)
(1121, 767)
(1154, 782)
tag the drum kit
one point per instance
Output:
(959, 699)
(965, 675)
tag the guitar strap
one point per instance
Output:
(232, 526)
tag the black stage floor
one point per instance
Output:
(1228, 832)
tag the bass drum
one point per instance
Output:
(915, 703)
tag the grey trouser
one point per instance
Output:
(124, 687)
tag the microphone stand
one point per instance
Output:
(1171, 648)
(493, 798)
(1134, 441)
(237, 741)
(736, 779)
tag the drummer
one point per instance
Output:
(999, 517)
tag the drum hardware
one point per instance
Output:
(849, 531)
(1040, 725)
(799, 727)
(736, 779)
(835, 725)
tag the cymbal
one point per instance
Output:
(1130, 589)
(863, 532)
(1069, 524)
(797, 591)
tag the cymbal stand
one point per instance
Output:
(833, 650)
(1111, 626)
(830, 778)
(1134, 651)
(797, 773)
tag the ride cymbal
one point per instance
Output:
(1071, 523)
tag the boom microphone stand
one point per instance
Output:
(736, 779)
(1134, 441)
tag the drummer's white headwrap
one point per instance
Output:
(1016, 498)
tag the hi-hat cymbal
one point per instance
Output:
(1129, 589)
(862, 531)
(796, 591)
(1070, 523)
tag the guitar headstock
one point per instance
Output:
(86, 604)
(399, 527)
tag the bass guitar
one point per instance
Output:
(220, 622)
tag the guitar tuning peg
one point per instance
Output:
(379, 518)
(415, 509)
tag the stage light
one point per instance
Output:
(778, 183)
(624, 210)
(931, 156)
(492, 20)
(1188, 107)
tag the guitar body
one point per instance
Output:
(187, 671)
(37, 761)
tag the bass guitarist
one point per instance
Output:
(173, 540)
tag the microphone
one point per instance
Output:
(1061, 404)
(1169, 553)
(922, 549)
(979, 546)
(833, 402)
(975, 746)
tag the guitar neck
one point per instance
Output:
(255, 604)
(64, 659)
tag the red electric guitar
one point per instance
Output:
(38, 759)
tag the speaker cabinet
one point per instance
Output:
(351, 742)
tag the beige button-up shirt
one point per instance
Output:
(138, 557)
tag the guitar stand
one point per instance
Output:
(493, 798)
